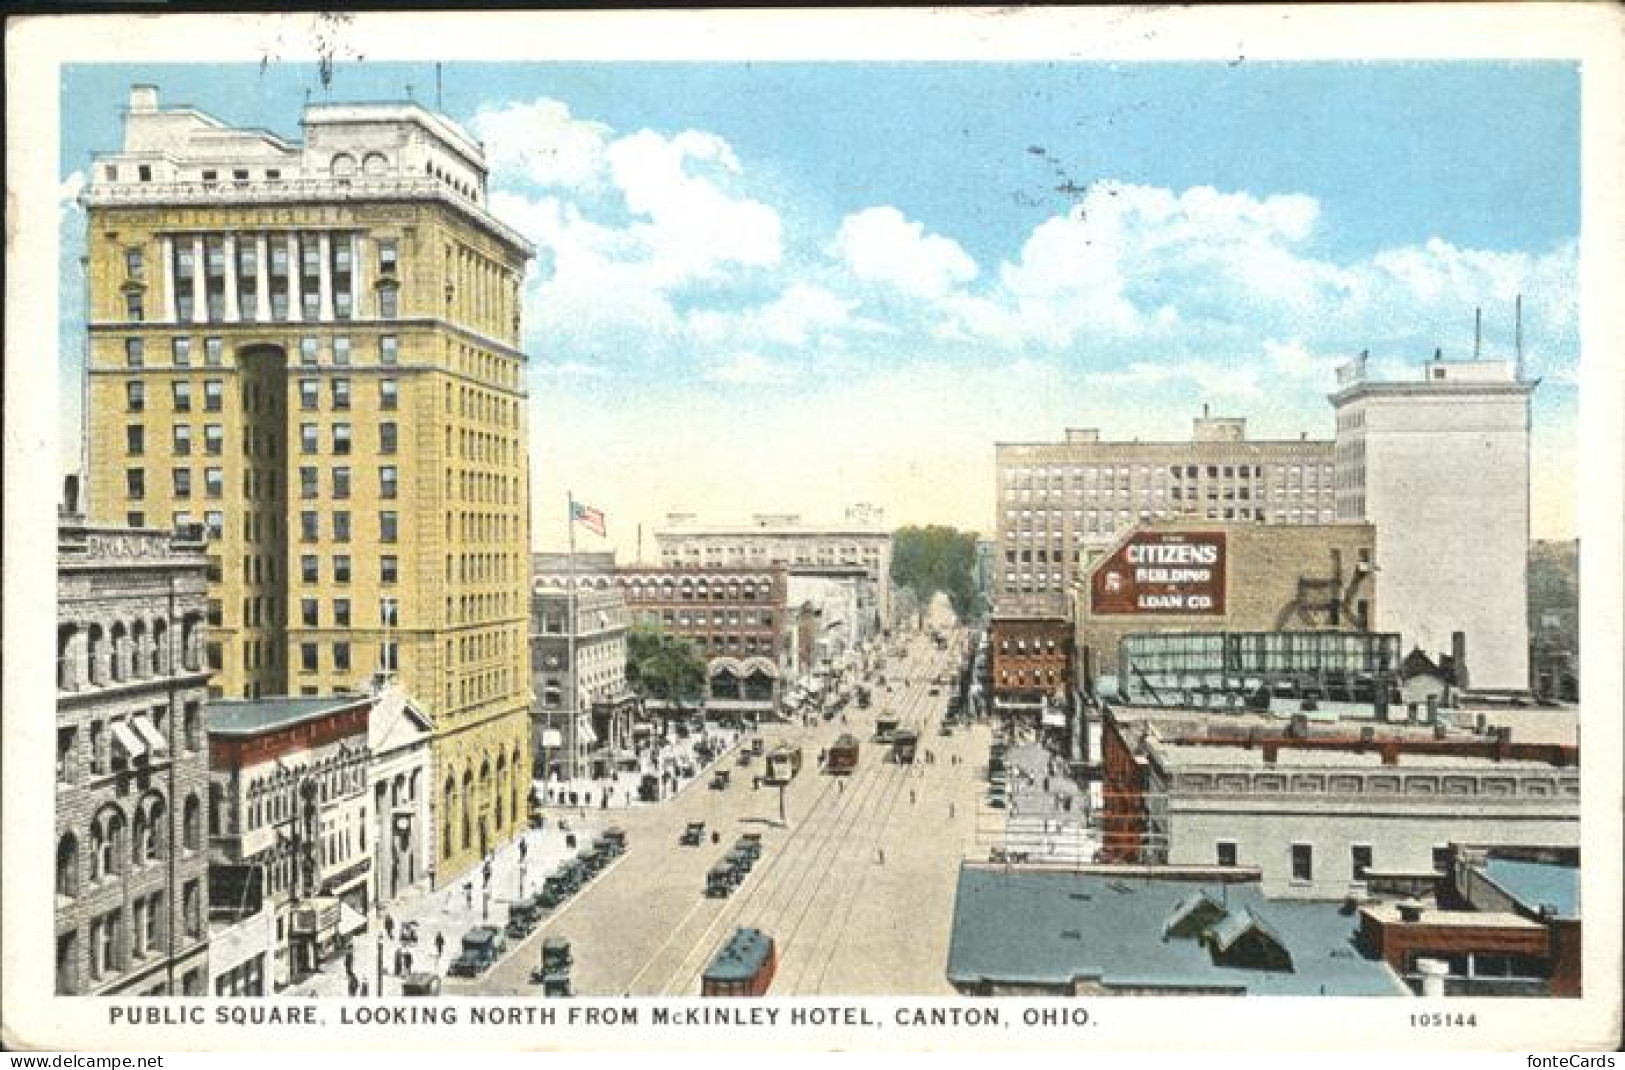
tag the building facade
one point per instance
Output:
(1203, 577)
(1440, 465)
(1060, 503)
(312, 348)
(1323, 812)
(784, 539)
(400, 738)
(131, 762)
(737, 617)
(291, 829)
(583, 716)
(1032, 668)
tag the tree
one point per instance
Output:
(663, 666)
(935, 558)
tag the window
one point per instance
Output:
(341, 526)
(341, 657)
(1303, 862)
(387, 437)
(134, 263)
(135, 394)
(388, 302)
(389, 349)
(388, 394)
(135, 309)
(389, 612)
(388, 568)
(310, 391)
(213, 439)
(309, 526)
(309, 438)
(341, 393)
(214, 351)
(341, 568)
(341, 612)
(341, 438)
(388, 526)
(309, 347)
(341, 350)
(309, 612)
(135, 440)
(135, 482)
(192, 908)
(134, 352)
(309, 570)
(183, 396)
(181, 350)
(1359, 860)
(341, 482)
(1441, 859)
(212, 395)
(308, 657)
(388, 481)
(183, 482)
(387, 256)
(307, 482)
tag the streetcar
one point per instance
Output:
(903, 745)
(884, 727)
(783, 765)
(744, 966)
(842, 756)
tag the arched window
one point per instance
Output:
(68, 674)
(375, 164)
(468, 806)
(118, 653)
(160, 647)
(502, 788)
(446, 817)
(192, 823)
(97, 670)
(67, 865)
(113, 830)
(138, 649)
(343, 165)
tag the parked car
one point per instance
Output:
(482, 946)
(693, 834)
(420, 984)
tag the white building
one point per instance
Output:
(582, 715)
(1441, 466)
(862, 539)
(398, 734)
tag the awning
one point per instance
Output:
(128, 740)
(150, 735)
(350, 919)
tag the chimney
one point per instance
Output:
(143, 97)
(70, 494)
(1389, 748)
(1298, 727)
(1271, 749)
(1434, 972)
(1458, 657)
(1410, 911)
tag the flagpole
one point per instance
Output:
(570, 646)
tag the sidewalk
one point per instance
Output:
(622, 788)
(1048, 818)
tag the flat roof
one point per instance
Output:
(1048, 927)
(1537, 884)
(1294, 758)
(1389, 914)
(233, 717)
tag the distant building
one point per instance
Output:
(584, 716)
(131, 762)
(1324, 809)
(736, 616)
(1132, 931)
(1032, 670)
(1554, 619)
(785, 539)
(1440, 465)
(291, 826)
(1061, 503)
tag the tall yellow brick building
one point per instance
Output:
(312, 349)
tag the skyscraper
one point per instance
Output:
(313, 349)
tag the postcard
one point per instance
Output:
(896, 529)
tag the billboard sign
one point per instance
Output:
(1162, 573)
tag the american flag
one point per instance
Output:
(588, 517)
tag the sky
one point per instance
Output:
(791, 287)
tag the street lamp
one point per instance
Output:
(380, 965)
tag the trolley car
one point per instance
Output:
(744, 966)
(842, 757)
(884, 729)
(783, 765)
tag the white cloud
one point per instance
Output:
(882, 245)
(797, 317)
(575, 369)
(543, 144)
(747, 369)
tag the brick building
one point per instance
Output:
(583, 712)
(1032, 668)
(131, 763)
(736, 616)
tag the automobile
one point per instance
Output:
(522, 918)
(693, 834)
(686, 770)
(935, 691)
(614, 838)
(752, 842)
(720, 881)
(556, 956)
(555, 985)
(420, 984)
(744, 758)
(996, 800)
(719, 780)
(757, 745)
(944, 730)
(482, 946)
(649, 788)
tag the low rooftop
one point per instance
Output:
(1047, 927)
(1538, 884)
(243, 717)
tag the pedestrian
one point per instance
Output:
(349, 960)
(911, 796)
(439, 945)
(355, 985)
(408, 961)
(880, 853)
(468, 894)
(363, 992)
(524, 848)
(389, 926)
(950, 811)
